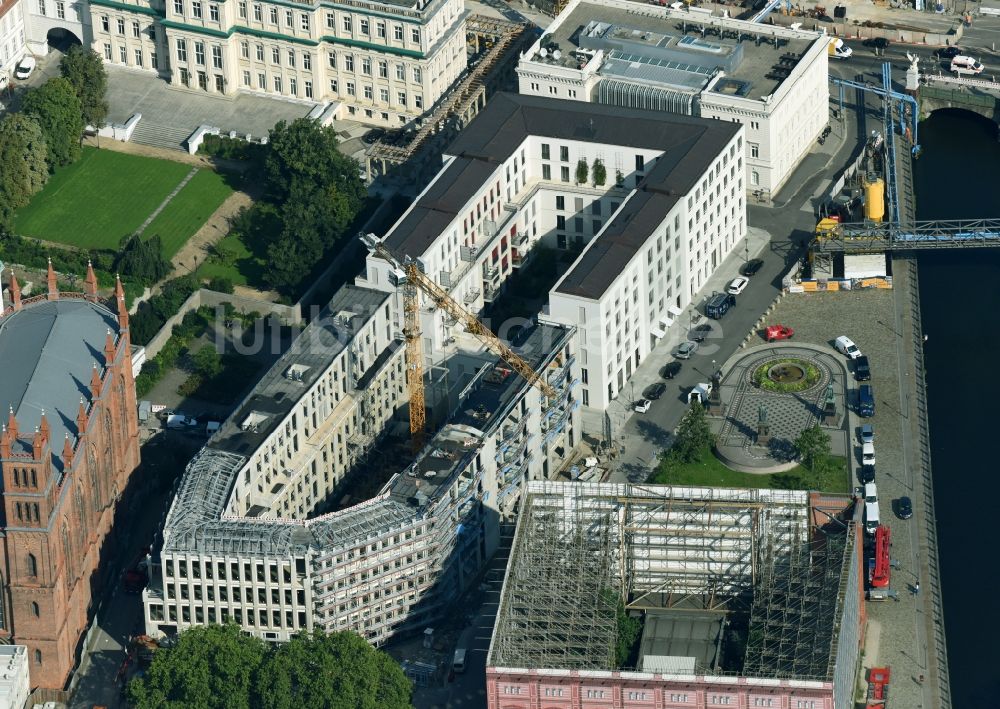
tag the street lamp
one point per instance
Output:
(746, 244)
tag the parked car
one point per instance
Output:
(904, 508)
(773, 333)
(719, 304)
(373, 136)
(642, 406)
(737, 285)
(948, 53)
(751, 267)
(845, 345)
(671, 370)
(868, 454)
(966, 65)
(867, 433)
(655, 391)
(862, 370)
(867, 473)
(686, 349)
(24, 68)
(866, 401)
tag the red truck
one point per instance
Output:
(772, 333)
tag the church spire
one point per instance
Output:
(53, 286)
(120, 305)
(90, 282)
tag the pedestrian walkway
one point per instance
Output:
(166, 201)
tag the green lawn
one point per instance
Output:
(237, 263)
(107, 195)
(188, 210)
(708, 471)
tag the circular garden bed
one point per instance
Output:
(787, 375)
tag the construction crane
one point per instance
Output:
(416, 280)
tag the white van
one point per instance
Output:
(845, 346)
(459, 662)
(871, 517)
(871, 493)
(868, 454)
(965, 65)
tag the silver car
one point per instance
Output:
(686, 349)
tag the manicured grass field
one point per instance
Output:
(239, 265)
(188, 210)
(708, 471)
(107, 195)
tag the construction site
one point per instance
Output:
(686, 596)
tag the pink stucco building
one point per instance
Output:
(735, 598)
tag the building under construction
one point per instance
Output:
(746, 598)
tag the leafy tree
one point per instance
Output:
(693, 434)
(211, 666)
(337, 671)
(812, 445)
(619, 179)
(581, 172)
(599, 172)
(221, 284)
(207, 361)
(23, 167)
(304, 152)
(57, 109)
(84, 70)
(142, 259)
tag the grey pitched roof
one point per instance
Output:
(687, 144)
(47, 352)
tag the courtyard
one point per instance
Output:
(107, 195)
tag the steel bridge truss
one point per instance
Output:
(875, 237)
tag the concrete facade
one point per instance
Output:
(62, 482)
(246, 538)
(690, 62)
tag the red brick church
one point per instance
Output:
(68, 446)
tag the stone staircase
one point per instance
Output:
(160, 136)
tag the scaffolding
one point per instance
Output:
(750, 554)
(796, 606)
(559, 604)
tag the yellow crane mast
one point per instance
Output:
(417, 280)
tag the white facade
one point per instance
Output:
(15, 684)
(783, 112)
(483, 231)
(12, 38)
(386, 62)
(244, 540)
(619, 327)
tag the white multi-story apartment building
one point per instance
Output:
(670, 208)
(15, 682)
(244, 541)
(385, 62)
(771, 79)
(12, 39)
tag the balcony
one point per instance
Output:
(490, 292)
(445, 279)
(491, 273)
(468, 253)
(471, 297)
(521, 238)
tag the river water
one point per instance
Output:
(958, 176)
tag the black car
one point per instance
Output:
(867, 474)
(373, 136)
(904, 508)
(751, 267)
(948, 52)
(877, 42)
(862, 369)
(671, 370)
(655, 391)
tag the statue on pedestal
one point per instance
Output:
(763, 429)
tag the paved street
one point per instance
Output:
(896, 634)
